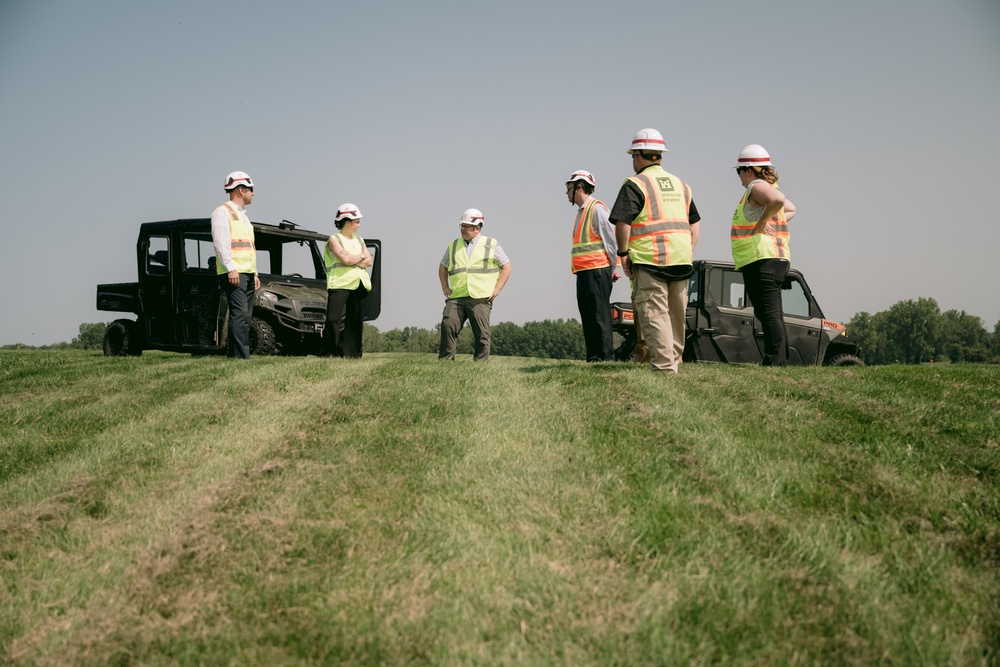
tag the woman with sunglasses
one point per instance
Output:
(759, 237)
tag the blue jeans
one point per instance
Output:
(763, 280)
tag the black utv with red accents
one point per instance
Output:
(721, 326)
(179, 304)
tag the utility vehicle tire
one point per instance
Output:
(845, 360)
(121, 339)
(625, 351)
(262, 339)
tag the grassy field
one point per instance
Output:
(171, 509)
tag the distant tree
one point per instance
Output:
(372, 339)
(91, 337)
(912, 329)
(963, 338)
(549, 339)
(508, 340)
(995, 344)
(422, 340)
(868, 331)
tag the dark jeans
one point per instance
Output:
(240, 301)
(593, 297)
(763, 280)
(345, 320)
(456, 312)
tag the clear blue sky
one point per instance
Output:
(881, 116)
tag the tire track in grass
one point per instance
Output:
(110, 581)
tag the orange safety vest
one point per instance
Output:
(661, 234)
(588, 251)
(749, 247)
(241, 247)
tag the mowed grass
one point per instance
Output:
(171, 509)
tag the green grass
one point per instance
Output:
(170, 509)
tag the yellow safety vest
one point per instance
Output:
(661, 234)
(345, 276)
(474, 276)
(588, 251)
(749, 247)
(241, 246)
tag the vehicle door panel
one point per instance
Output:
(156, 295)
(201, 303)
(726, 324)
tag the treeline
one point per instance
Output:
(909, 332)
(550, 339)
(913, 332)
(91, 337)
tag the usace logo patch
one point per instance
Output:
(665, 184)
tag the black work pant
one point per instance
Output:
(763, 280)
(456, 312)
(240, 301)
(345, 320)
(593, 297)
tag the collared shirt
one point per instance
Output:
(221, 238)
(606, 231)
(498, 254)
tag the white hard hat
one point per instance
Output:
(647, 141)
(349, 212)
(754, 155)
(581, 175)
(472, 216)
(236, 179)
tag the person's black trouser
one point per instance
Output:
(240, 301)
(345, 321)
(763, 280)
(593, 297)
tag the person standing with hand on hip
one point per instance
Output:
(472, 273)
(236, 260)
(759, 238)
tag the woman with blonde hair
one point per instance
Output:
(759, 237)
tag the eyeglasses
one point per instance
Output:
(247, 187)
(468, 228)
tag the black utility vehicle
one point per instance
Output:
(180, 306)
(721, 326)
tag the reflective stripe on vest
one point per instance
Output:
(345, 276)
(241, 247)
(749, 247)
(661, 234)
(474, 276)
(588, 251)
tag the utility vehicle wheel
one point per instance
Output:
(262, 339)
(121, 339)
(625, 351)
(846, 360)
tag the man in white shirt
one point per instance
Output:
(236, 260)
(472, 273)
